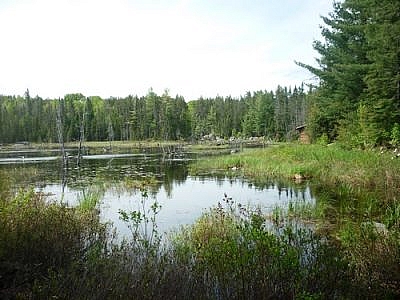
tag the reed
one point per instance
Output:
(357, 203)
(326, 163)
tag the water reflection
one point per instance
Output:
(183, 197)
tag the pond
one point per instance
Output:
(183, 197)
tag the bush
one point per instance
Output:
(374, 254)
(236, 256)
(323, 140)
(39, 238)
(395, 135)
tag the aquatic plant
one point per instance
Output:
(353, 188)
(89, 199)
(40, 238)
(237, 254)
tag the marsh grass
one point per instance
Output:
(51, 251)
(38, 238)
(90, 198)
(331, 164)
(358, 182)
(374, 255)
(48, 250)
(239, 255)
(357, 203)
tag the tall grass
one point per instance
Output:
(238, 257)
(369, 182)
(40, 238)
(330, 164)
(89, 199)
(358, 201)
(48, 250)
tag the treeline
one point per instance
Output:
(262, 113)
(358, 99)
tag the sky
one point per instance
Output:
(192, 48)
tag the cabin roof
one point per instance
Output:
(300, 127)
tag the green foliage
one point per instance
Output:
(323, 140)
(38, 239)
(142, 223)
(358, 70)
(395, 135)
(259, 119)
(90, 199)
(374, 255)
(153, 116)
(357, 130)
(238, 257)
(48, 250)
(4, 186)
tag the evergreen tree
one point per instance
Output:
(383, 77)
(358, 70)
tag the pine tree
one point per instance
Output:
(359, 70)
(383, 78)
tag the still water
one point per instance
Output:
(183, 197)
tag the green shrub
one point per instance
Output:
(373, 253)
(38, 238)
(323, 140)
(236, 256)
(395, 135)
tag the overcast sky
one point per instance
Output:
(191, 47)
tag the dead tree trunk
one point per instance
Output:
(60, 130)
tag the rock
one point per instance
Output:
(299, 177)
(380, 228)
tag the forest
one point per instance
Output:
(262, 113)
(355, 99)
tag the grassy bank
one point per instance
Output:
(367, 183)
(123, 146)
(358, 199)
(327, 164)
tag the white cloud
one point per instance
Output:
(116, 48)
